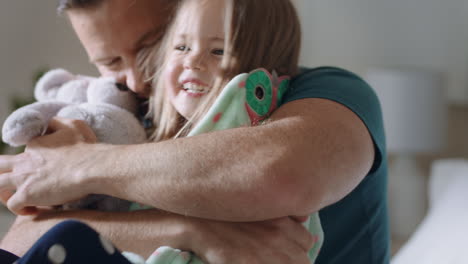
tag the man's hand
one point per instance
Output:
(36, 177)
(276, 241)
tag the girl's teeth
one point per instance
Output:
(195, 88)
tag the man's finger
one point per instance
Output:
(79, 126)
(59, 123)
(6, 163)
(7, 188)
(5, 196)
(6, 183)
(300, 219)
(15, 203)
(298, 233)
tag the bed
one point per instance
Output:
(442, 237)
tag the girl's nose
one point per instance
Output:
(195, 61)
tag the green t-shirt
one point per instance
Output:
(356, 228)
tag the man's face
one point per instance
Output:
(114, 33)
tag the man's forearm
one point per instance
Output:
(18, 240)
(190, 176)
(140, 232)
(294, 165)
(213, 241)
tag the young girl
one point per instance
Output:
(208, 44)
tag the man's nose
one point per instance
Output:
(134, 81)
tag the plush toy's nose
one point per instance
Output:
(122, 87)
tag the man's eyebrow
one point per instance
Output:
(95, 61)
(101, 59)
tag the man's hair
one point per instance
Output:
(64, 5)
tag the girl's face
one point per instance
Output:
(194, 59)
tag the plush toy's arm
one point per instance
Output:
(29, 122)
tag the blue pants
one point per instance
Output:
(68, 242)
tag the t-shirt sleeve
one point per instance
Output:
(347, 89)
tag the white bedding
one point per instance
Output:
(442, 237)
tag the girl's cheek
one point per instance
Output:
(171, 76)
(174, 67)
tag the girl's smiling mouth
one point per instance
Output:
(195, 87)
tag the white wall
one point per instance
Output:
(358, 34)
(33, 37)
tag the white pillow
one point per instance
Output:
(442, 236)
(443, 173)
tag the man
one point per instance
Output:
(325, 152)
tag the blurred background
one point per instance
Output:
(415, 55)
(420, 45)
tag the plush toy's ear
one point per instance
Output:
(74, 91)
(50, 83)
(63, 86)
(107, 90)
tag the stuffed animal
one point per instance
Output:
(106, 106)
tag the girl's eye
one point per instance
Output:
(218, 52)
(182, 48)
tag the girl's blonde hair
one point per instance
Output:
(258, 33)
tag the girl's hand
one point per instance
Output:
(43, 175)
(276, 241)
